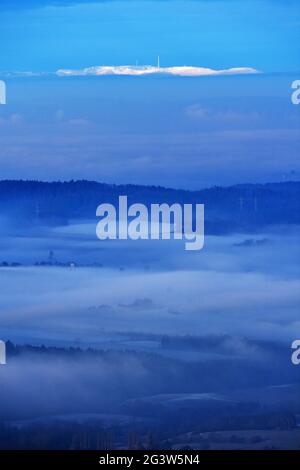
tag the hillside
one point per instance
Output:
(242, 207)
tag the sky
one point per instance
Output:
(179, 132)
(39, 35)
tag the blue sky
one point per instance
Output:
(180, 132)
(37, 35)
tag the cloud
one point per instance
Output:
(182, 71)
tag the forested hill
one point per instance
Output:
(240, 207)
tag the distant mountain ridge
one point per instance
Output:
(248, 207)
